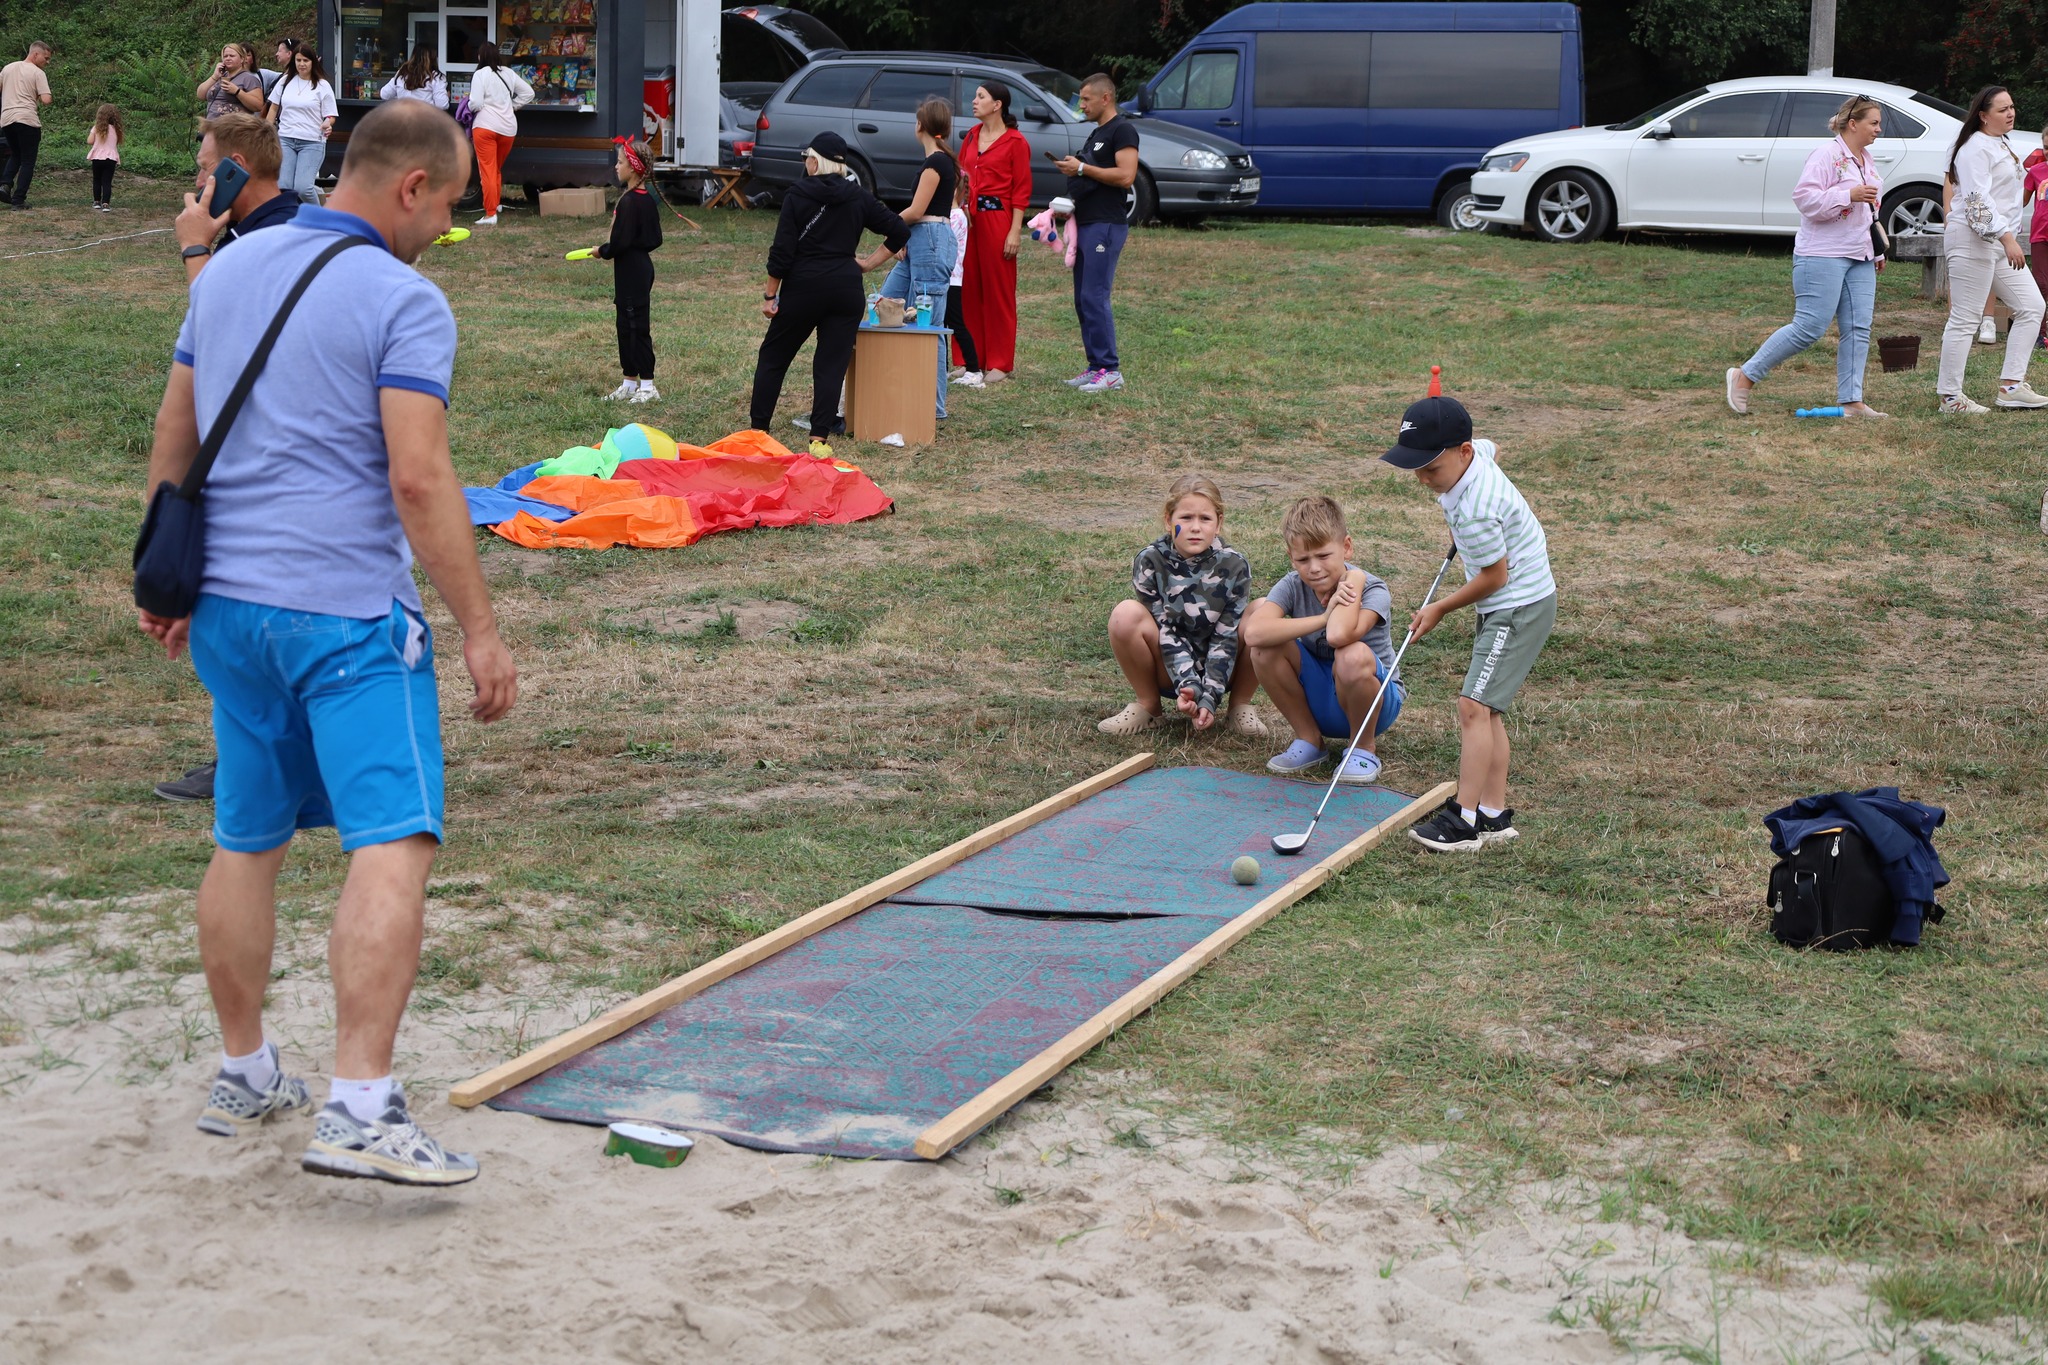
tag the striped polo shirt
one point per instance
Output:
(1489, 519)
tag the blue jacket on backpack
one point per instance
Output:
(1901, 832)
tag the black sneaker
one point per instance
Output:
(195, 785)
(1497, 829)
(1447, 832)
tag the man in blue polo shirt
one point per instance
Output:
(309, 632)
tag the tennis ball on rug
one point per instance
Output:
(1245, 870)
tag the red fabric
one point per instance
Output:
(988, 293)
(745, 480)
(492, 150)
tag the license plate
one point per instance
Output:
(1248, 185)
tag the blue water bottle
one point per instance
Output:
(1820, 412)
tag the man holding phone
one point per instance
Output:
(236, 188)
(1099, 182)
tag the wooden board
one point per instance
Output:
(619, 1018)
(971, 1117)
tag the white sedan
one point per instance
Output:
(1719, 159)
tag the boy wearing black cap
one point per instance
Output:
(1507, 580)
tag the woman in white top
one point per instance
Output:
(419, 79)
(496, 93)
(302, 107)
(1981, 241)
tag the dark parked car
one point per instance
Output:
(871, 99)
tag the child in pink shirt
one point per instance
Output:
(103, 153)
(2031, 185)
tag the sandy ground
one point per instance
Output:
(127, 1235)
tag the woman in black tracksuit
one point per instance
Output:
(636, 230)
(814, 283)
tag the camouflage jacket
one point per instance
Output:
(1197, 603)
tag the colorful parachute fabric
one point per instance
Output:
(640, 488)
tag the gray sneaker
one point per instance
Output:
(1085, 377)
(233, 1109)
(392, 1148)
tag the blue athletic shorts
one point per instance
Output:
(1319, 680)
(319, 720)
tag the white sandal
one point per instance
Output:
(1132, 720)
(1245, 720)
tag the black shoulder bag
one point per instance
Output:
(170, 553)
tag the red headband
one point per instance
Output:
(633, 158)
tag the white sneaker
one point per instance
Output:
(970, 379)
(2020, 395)
(1987, 332)
(1133, 719)
(1738, 399)
(622, 392)
(646, 393)
(1958, 404)
(491, 221)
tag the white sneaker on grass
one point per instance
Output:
(1360, 770)
(1085, 377)
(1132, 720)
(645, 393)
(1959, 404)
(970, 379)
(1104, 381)
(1987, 332)
(623, 392)
(234, 1108)
(2020, 395)
(391, 1147)
(491, 221)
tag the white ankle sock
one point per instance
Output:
(1471, 816)
(646, 385)
(257, 1070)
(1490, 812)
(364, 1100)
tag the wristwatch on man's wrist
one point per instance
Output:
(199, 250)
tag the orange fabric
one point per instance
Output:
(745, 480)
(492, 151)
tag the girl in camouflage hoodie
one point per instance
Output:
(1176, 637)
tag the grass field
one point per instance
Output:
(714, 739)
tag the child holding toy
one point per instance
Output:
(1507, 583)
(1177, 637)
(636, 230)
(1320, 645)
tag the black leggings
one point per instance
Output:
(632, 291)
(832, 308)
(103, 181)
(956, 318)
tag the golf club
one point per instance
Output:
(1291, 844)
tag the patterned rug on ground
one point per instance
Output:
(857, 1039)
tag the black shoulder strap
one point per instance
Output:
(202, 464)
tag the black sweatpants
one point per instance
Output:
(103, 180)
(832, 308)
(956, 318)
(24, 140)
(632, 289)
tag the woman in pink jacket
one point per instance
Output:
(1834, 265)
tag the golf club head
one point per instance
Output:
(1288, 845)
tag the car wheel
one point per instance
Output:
(1458, 209)
(1146, 208)
(1571, 206)
(1914, 208)
(859, 172)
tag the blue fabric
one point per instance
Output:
(319, 720)
(1902, 833)
(860, 1037)
(298, 508)
(1319, 682)
(1097, 246)
(1825, 287)
(488, 507)
(302, 160)
(927, 268)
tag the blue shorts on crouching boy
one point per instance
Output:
(320, 720)
(1319, 681)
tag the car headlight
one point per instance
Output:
(1202, 159)
(1505, 161)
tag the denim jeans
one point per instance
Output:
(926, 267)
(302, 159)
(1825, 287)
(1096, 249)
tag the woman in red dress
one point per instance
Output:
(997, 162)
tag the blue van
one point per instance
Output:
(1375, 108)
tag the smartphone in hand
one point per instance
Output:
(228, 179)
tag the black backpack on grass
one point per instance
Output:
(1830, 893)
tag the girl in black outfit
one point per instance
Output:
(814, 283)
(636, 230)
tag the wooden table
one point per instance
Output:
(1924, 247)
(892, 388)
(728, 195)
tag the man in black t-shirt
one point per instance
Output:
(1100, 181)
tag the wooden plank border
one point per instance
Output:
(619, 1018)
(971, 1117)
